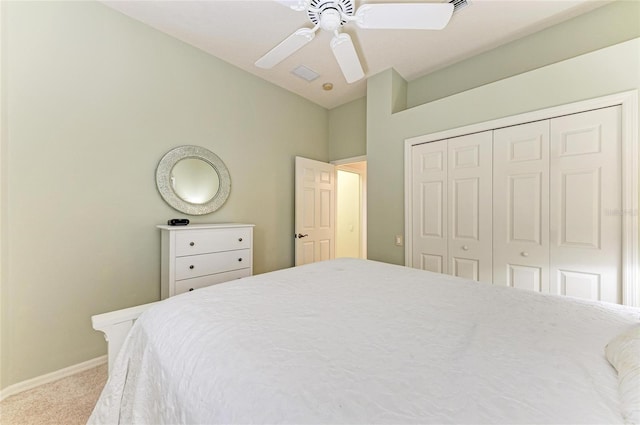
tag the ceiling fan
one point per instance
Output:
(330, 15)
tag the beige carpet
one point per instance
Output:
(68, 401)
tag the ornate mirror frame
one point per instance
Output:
(163, 179)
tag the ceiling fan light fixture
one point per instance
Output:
(347, 58)
(316, 7)
(330, 20)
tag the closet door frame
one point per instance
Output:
(630, 215)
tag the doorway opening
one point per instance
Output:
(351, 208)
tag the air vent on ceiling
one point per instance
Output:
(459, 4)
(305, 73)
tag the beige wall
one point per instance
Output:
(3, 197)
(347, 130)
(91, 101)
(610, 70)
(611, 24)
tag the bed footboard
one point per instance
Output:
(116, 325)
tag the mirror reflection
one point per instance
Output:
(194, 180)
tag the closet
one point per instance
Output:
(531, 206)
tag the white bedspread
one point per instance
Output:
(355, 341)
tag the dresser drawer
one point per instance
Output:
(205, 264)
(202, 281)
(199, 255)
(191, 242)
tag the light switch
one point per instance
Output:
(399, 240)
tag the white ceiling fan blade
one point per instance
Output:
(421, 16)
(347, 58)
(286, 48)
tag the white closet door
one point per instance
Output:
(521, 206)
(586, 228)
(469, 206)
(429, 215)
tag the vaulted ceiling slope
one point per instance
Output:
(241, 31)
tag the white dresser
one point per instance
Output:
(200, 255)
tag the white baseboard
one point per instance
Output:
(50, 377)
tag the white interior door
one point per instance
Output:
(315, 211)
(429, 193)
(521, 206)
(470, 206)
(586, 193)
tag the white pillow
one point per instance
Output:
(623, 352)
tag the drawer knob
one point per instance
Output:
(524, 253)
(465, 248)
(239, 239)
(190, 289)
(192, 243)
(239, 259)
(191, 267)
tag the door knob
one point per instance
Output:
(300, 235)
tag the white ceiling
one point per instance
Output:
(241, 31)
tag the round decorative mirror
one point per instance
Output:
(193, 180)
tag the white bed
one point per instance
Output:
(355, 341)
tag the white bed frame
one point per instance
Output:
(116, 326)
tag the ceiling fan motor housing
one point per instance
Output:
(323, 12)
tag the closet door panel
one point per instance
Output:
(466, 268)
(586, 226)
(469, 206)
(429, 215)
(521, 206)
(525, 277)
